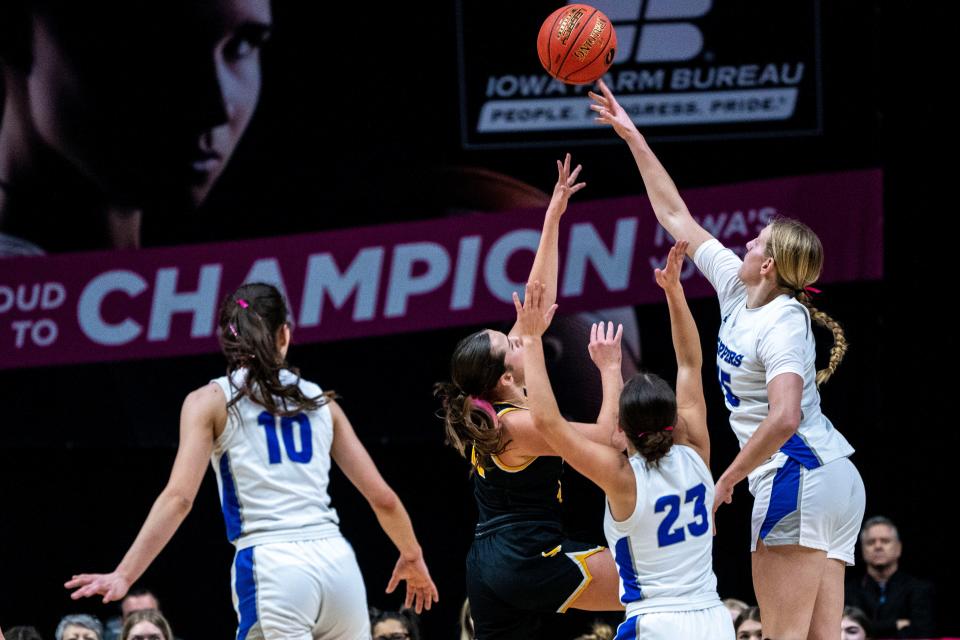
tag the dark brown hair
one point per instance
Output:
(251, 319)
(750, 613)
(858, 616)
(474, 371)
(407, 617)
(647, 407)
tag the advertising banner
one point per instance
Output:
(681, 69)
(101, 306)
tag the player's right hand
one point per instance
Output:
(610, 112)
(604, 346)
(112, 586)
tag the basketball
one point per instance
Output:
(577, 44)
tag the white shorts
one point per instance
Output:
(713, 623)
(818, 508)
(300, 591)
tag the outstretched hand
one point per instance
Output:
(610, 112)
(112, 586)
(566, 186)
(669, 277)
(532, 318)
(421, 592)
(604, 346)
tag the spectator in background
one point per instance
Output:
(146, 624)
(22, 633)
(466, 622)
(747, 625)
(599, 631)
(394, 625)
(735, 607)
(137, 599)
(896, 604)
(79, 627)
(855, 625)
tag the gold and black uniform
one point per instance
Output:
(520, 564)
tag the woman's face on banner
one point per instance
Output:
(148, 99)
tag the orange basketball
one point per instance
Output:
(577, 44)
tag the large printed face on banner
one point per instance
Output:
(121, 107)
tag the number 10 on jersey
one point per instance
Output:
(269, 423)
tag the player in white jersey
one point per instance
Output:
(809, 498)
(658, 519)
(270, 436)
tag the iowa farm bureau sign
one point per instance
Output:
(682, 69)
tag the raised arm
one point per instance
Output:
(202, 410)
(691, 406)
(352, 458)
(546, 262)
(603, 465)
(667, 204)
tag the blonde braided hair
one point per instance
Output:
(798, 254)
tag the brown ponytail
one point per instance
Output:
(250, 322)
(475, 371)
(648, 413)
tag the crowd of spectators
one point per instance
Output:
(882, 601)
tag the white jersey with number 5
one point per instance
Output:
(754, 347)
(273, 471)
(664, 549)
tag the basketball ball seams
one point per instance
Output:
(579, 29)
(553, 29)
(574, 40)
(601, 51)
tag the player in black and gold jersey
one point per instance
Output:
(521, 564)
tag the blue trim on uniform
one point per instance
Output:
(229, 502)
(628, 629)
(246, 590)
(797, 449)
(783, 495)
(628, 572)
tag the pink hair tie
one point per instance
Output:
(243, 303)
(643, 433)
(486, 407)
(233, 330)
(812, 290)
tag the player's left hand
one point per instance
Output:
(112, 586)
(669, 277)
(566, 186)
(421, 592)
(532, 318)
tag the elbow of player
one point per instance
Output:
(181, 504)
(787, 423)
(385, 500)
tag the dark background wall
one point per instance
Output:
(84, 450)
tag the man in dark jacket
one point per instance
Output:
(898, 605)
